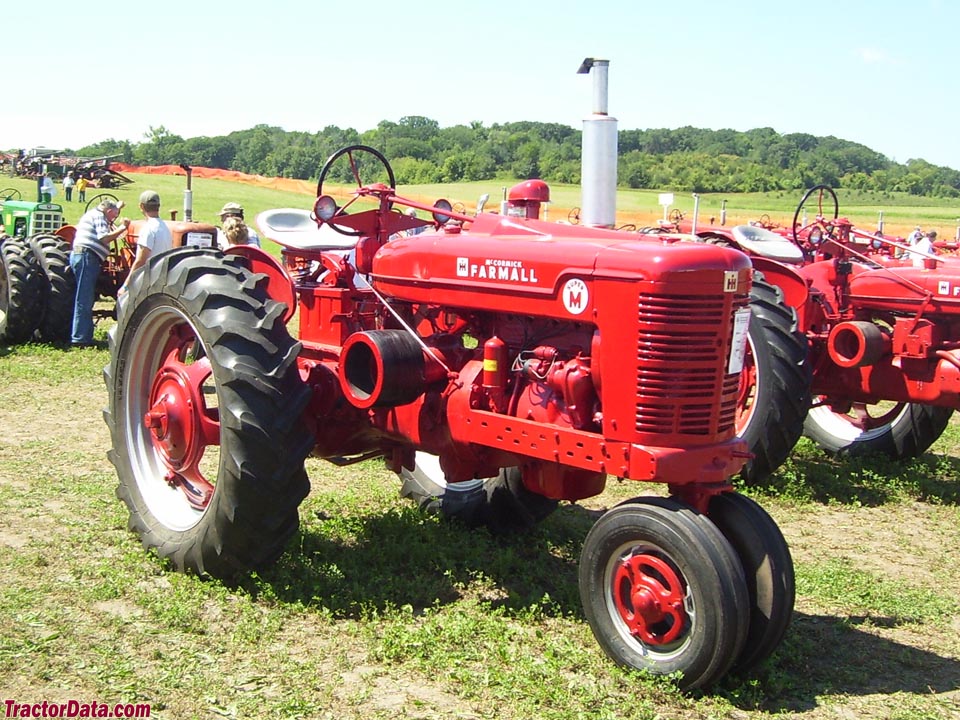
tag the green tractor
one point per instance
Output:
(23, 219)
(36, 282)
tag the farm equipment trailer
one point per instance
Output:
(522, 359)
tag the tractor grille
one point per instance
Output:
(46, 222)
(683, 343)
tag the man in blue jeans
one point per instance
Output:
(95, 232)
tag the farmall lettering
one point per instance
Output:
(496, 269)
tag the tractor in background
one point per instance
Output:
(881, 322)
(36, 287)
(528, 359)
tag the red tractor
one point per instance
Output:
(498, 364)
(881, 320)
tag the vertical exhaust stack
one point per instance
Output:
(598, 174)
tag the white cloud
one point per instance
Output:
(873, 55)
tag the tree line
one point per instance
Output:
(684, 159)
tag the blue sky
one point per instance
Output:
(881, 73)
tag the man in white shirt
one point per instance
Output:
(154, 236)
(922, 248)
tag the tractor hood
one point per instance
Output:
(908, 288)
(526, 266)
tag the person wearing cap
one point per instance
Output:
(923, 248)
(96, 229)
(232, 209)
(154, 237)
(915, 235)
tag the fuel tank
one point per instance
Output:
(541, 268)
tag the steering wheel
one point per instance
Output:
(573, 217)
(765, 221)
(629, 227)
(355, 163)
(10, 194)
(819, 219)
(97, 199)
(675, 216)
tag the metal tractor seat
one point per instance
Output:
(767, 244)
(295, 228)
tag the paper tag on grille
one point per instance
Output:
(738, 348)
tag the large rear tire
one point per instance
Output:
(204, 404)
(59, 287)
(901, 431)
(775, 382)
(21, 292)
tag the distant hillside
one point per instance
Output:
(684, 159)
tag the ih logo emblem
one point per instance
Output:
(730, 280)
(576, 296)
(463, 267)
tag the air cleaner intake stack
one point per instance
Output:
(598, 174)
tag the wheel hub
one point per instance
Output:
(181, 428)
(170, 420)
(649, 599)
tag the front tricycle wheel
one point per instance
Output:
(204, 400)
(664, 591)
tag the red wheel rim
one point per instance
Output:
(648, 595)
(180, 424)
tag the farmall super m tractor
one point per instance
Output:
(529, 360)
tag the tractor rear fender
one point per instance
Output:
(280, 285)
(792, 284)
(67, 233)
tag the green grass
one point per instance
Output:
(379, 611)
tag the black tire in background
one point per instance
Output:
(197, 326)
(778, 378)
(500, 503)
(59, 287)
(21, 291)
(901, 432)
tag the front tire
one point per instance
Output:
(901, 432)
(664, 591)
(767, 567)
(204, 404)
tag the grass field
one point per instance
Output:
(379, 611)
